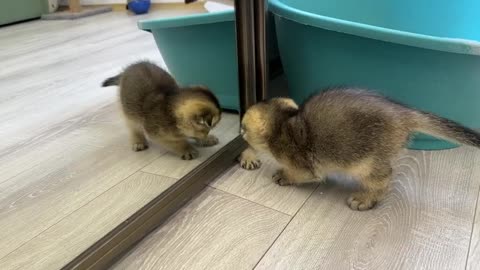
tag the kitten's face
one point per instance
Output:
(197, 112)
(198, 123)
(204, 122)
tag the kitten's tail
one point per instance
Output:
(115, 80)
(445, 129)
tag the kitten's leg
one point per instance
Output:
(248, 159)
(179, 146)
(137, 137)
(375, 185)
(210, 140)
(292, 176)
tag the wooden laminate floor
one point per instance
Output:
(67, 174)
(429, 220)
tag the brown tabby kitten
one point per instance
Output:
(153, 104)
(340, 130)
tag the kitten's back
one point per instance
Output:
(143, 85)
(366, 121)
(149, 75)
(355, 123)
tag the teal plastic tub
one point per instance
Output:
(422, 53)
(201, 49)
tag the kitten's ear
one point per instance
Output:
(287, 103)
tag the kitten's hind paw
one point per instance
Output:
(250, 164)
(280, 179)
(139, 147)
(190, 154)
(209, 141)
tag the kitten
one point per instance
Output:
(154, 105)
(340, 130)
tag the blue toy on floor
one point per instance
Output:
(139, 6)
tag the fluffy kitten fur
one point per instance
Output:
(340, 130)
(154, 104)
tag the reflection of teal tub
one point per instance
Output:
(201, 49)
(422, 53)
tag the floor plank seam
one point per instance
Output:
(240, 197)
(473, 228)
(286, 226)
(56, 136)
(78, 37)
(148, 164)
(96, 51)
(60, 220)
(17, 174)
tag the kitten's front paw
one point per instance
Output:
(361, 202)
(190, 154)
(250, 164)
(209, 141)
(139, 146)
(280, 179)
(248, 160)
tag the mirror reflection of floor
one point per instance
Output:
(67, 173)
(171, 166)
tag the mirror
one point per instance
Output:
(69, 175)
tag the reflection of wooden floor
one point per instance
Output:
(245, 221)
(67, 174)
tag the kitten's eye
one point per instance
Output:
(205, 121)
(208, 121)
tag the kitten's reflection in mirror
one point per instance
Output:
(155, 106)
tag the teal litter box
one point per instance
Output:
(201, 49)
(423, 53)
